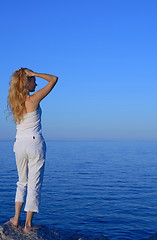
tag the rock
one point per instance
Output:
(70, 235)
(9, 232)
(153, 237)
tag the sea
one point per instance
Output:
(107, 188)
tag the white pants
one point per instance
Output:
(30, 153)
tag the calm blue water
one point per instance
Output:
(91, 187)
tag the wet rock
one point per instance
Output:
(75, 236)
(9, 232)
(153, 237)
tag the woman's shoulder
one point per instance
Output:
(30, 106)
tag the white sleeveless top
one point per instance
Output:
(30, 124)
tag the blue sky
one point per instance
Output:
(105, 55)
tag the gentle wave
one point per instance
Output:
(105, 188)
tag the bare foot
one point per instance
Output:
(32, 228)
(14, 222)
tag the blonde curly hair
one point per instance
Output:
(17, 94)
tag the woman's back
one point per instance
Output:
(30, 124)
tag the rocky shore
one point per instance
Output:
(9, 232)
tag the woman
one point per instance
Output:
(29, 146)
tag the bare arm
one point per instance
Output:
(47, 77)
(42, 93)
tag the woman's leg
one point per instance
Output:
(28, 222)
(14, 220)
(21, 162)
(28, 225)
(35, 179)
(36, 165)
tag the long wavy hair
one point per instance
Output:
(17, 94)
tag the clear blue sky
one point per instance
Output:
(105, 55)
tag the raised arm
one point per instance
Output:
(42, 93)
